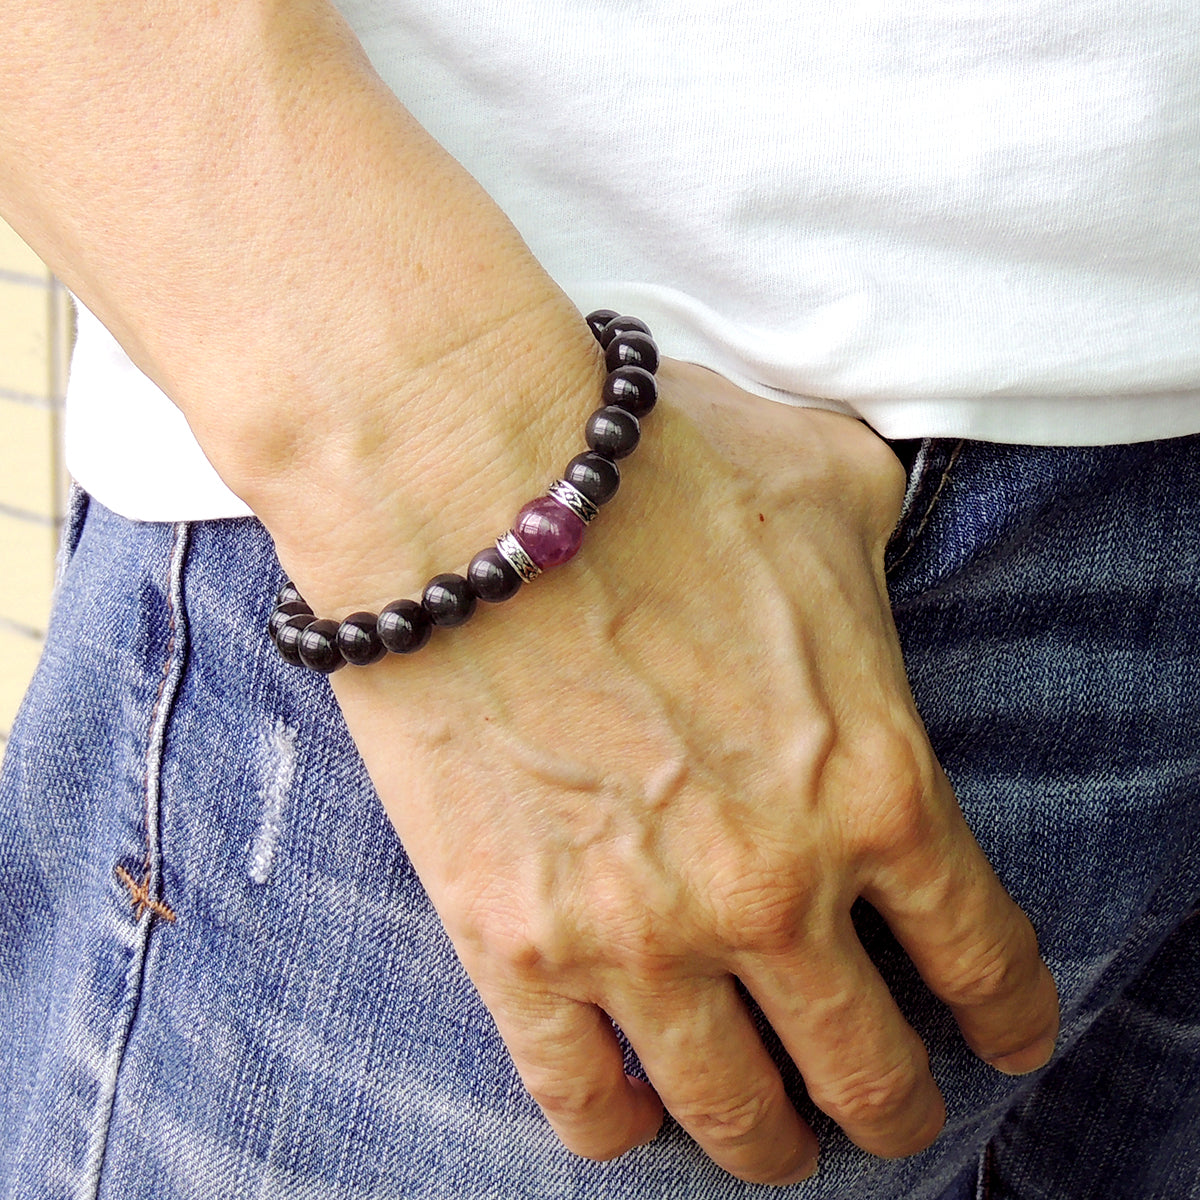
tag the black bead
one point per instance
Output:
(404, 626)
(597, 320)
(622, 325)
(491, 576)
(612, 431)
(358, 639)
(632, 388)
(448, 599)
(632, 349)
(318, 646)
(594, 475)
(287, 637)
(289, 592)
(282, 612)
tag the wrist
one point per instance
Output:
(547, 531)
(369, 499)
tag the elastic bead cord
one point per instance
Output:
(547, 532)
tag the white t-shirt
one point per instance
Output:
(949, 217)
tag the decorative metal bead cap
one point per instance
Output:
(569, 496)
(514, 554)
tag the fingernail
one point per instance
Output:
(1030, 1059)
(806, 1171)
(648, 1137)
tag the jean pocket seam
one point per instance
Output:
(923, 486)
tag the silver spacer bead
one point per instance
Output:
(569, 496)
(517, 557)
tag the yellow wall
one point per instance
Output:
(35, 331)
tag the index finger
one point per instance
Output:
(568, 1057)
(701, 1051)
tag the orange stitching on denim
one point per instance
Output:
(142, 900)
(932, 504)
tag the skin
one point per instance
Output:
(670, 765)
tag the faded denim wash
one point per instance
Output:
(220, 978)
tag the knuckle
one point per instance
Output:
(885, 754)
(644, 952)
(766, 920)
(570, 1103)
(513, 946)
(581, 1114)
(616, 926)
(895, 783)
(993, 970)
(650, 970)
(491, 930)
(870, 1098)
(730, 1121)
(763, 905)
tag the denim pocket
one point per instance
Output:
(929, 462)
(72, 530)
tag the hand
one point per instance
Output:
(677, 762)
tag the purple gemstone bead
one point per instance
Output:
(550, 532)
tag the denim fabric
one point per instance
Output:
(220, 978)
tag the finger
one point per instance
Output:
(707, 1062)
(862, 1063)
(569, 1059)
(973, 945)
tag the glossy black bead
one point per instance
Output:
(358, 639)
(448, 599)
(287, 637)
(318, 646)
(632, 349)
(632, 388)
(612, 431)
(620, 325)
(491, 576)
(594, 475)
(288, 593)
(597, 320)
(281, 613)
(403, 626)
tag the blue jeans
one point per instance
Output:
(220, 978)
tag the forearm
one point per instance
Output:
(273, 239)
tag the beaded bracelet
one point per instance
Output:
(548, 531)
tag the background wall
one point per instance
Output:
(35, 336)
